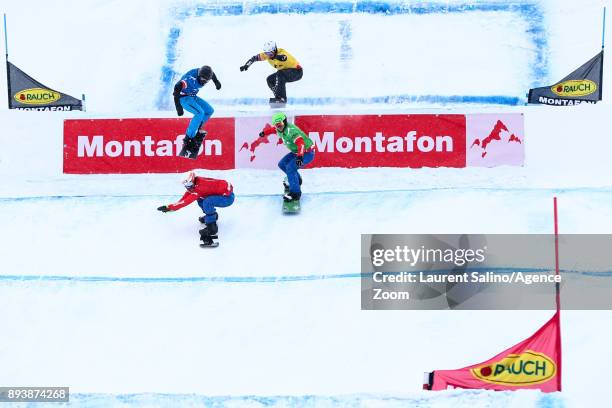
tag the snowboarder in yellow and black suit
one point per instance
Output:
(288, 69)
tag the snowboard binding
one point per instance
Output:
(208, 235)
(278, 102)
(207, 241)
(191, 145)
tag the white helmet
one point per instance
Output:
(189, 180)
(269, 47)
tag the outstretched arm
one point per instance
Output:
(249, 62)
(267, 130)
(216, 81)
(187, 199)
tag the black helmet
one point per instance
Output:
(204, 74)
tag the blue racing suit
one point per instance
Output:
(185, 94)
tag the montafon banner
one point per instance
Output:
(149, 145)
(26, 93)
(581, 86)
(534, 363)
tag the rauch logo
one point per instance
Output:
(37, 96)
(575, 87)
(526, 368)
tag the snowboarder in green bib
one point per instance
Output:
(301, 152)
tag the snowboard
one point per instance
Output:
(290, 207)
(213, 245)
(274, 104)
(191, 147)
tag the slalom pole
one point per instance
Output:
(556, 220)
(603, 38)
(603, 30)
(557, 291)
(5, 39)
(8, 74)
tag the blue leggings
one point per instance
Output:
(209, 204)
(202, 111)
(287, 164)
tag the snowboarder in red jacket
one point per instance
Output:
(210, 193)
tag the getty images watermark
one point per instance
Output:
(425, 272)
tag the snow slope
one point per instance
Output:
(117, 298)
(101, 292)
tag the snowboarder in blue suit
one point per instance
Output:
(185, 97)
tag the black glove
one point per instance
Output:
(299, 161)
(262, 134)
(179, 110)
(279, 57)
(248, 63)
(163, 208)
(216, 81)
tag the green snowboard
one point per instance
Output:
(290, 207)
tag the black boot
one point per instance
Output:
(286, 182)
(208, 234)
(187, 146)
(202, 219)
(210, 230)
(207, 241)
(196, 142)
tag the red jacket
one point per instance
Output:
(203, 187)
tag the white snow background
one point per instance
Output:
(100, 292)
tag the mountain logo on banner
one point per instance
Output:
(495, 135)
(37, 96)
(526, 368)
(252, 147)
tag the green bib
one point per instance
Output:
(292, 132)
